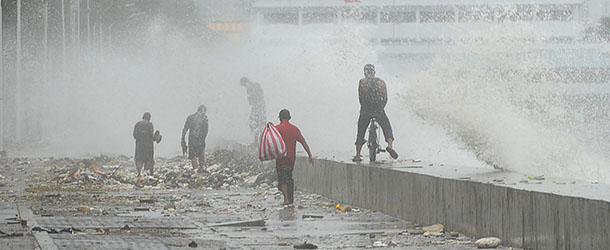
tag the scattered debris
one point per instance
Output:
(305, 216)
(538, 178)
(305, 246)
(489, 242)
(49, 230)
(82, 208)
(345, 208)
(227, 168)
(248, 223)
(44, 229)
(379, 244)
(436, 228)
(328, 204)
(415, 232)
(147, 201)
(203, 204)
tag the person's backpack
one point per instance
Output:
(272, 145)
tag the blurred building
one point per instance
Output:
(423, 21)
(224, 16)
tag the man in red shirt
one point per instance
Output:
(284, 166)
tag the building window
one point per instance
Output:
(321, 17)
(395, 16)
(476, 15)
(282, 18)
(437, 16)
(360, 16)
(516, 15)
(554, 15)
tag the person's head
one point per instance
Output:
(369, 70)
(243, 81)
(284, 115)
(146, 116)
(201, 109)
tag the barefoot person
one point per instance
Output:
(144, 135)
(285, 165)
(197, 126)
(373, 96)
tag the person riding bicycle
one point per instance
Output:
(373, 96)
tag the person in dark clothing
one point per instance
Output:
(197, 126)
(258, 115)
(373, 96)
(285, 165)
(144, 135)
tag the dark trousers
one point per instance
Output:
(364, 121)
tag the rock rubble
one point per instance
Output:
(225, 168)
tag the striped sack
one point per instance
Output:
(271, 144)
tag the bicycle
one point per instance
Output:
(373, 142)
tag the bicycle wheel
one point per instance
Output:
(372, 145)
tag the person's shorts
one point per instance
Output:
(284, 177)
(284, 163)
(196, 149)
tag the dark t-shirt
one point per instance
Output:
(197, 125)
(373, 95)
(143, 133)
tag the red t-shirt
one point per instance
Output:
(291, 134)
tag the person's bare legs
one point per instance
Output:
(358, 150)
(390, 149)
(390, 143)
(139, 165)
(201, 161)
(290, 191)
(194, 163)
(151, 168)
(284, 189)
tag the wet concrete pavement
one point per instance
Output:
(124, 216)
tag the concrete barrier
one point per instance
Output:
(524, 212)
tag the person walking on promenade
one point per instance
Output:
(144, 136)
(373, 96)
(197, 126)
(285, 165)
(258, 115)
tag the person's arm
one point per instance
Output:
(134, 131)
(251, 92)
(384, 92)
(151, 131)
(301, 140)
(360, 91)
(205, 128)
(186, 128)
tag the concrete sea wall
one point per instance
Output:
(521, 217)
